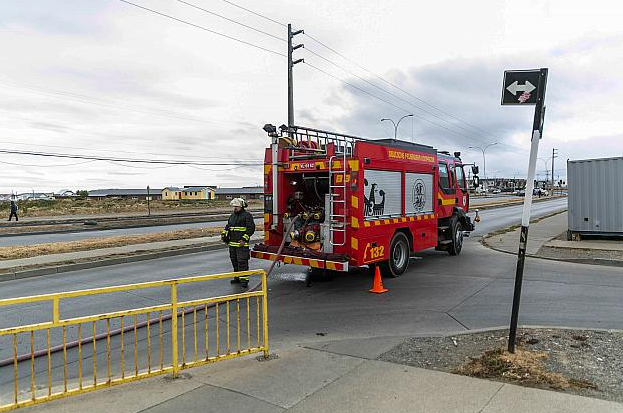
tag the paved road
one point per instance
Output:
(217, 261)
(438, 294)
(496, 218)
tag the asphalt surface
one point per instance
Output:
(438, 293)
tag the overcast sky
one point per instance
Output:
(101, 77)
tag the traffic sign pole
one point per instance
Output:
(537, 129)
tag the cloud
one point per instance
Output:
(469, 89)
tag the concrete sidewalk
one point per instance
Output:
(540, 232)
(542, 243)
(337, 376)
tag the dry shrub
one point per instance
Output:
(27, 251)
(525, 367)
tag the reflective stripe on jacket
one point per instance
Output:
(239, 229)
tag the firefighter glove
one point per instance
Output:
(225, 236)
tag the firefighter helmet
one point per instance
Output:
(238, 202)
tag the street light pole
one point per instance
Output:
(396, 124)
(484, 163)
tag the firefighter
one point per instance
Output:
(237, 234)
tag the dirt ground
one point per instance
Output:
(69, 207)
(582, 362)
(26, 251)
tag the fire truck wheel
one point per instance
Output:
(457, 236)
(399, 253)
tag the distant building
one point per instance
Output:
(34, 196)
(134, 194)
(65, 193)
(189, 192)
(246, 192)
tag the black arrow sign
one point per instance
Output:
(520, 87)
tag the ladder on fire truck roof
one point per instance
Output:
(313, 143)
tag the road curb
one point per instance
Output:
(58, 269)
(588, 261)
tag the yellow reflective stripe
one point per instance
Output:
(237, 228)
(238, 244)
(246, 237)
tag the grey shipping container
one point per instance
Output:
(595, 196)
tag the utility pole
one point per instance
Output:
(148, 199)
(554, 156)
(291, 64)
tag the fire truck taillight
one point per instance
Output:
(266, 182)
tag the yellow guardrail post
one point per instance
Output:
(55, 311)
(265, 312)
(174, 328)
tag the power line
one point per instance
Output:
(128, 160)
(202, 28)
(118, 150)
(113, 104)
(392, 94)
(322, 57)
(396, 86)
(232, 20)
(381, 99)
(255, 13)
(365, 69)
(46, 166)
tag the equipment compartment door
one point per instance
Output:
(418, 194)
(382, 193)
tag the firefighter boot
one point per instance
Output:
(235, 280)
(244, 282)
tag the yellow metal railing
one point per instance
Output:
(46, 371)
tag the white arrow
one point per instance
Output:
(515, 87)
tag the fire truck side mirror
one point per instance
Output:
(475, 169)
(476, 181)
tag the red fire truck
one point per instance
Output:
(342, 201)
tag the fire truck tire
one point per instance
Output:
(399, 253)
(457, 236)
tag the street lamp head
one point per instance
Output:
(384, 119)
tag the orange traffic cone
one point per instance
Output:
(377, 286)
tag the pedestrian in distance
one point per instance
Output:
(236, 235)
(14, 209)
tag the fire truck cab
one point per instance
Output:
(337, 201)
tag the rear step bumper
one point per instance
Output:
(311, 262)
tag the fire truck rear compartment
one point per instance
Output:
(305, 197)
